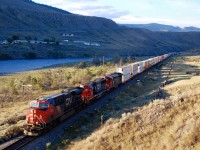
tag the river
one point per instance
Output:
(13, 66)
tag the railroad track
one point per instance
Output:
(20, 143)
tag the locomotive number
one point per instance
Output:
(68, 101)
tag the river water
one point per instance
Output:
(13, 66)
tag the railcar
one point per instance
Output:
(49, 109)
(113, 81)
(134, 69)
(88, 92)
(140, 67)
(99, 86)
(124, 70)
(116, 79)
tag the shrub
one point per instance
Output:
(30, 55)
(57, 42)
(5, 56)
(15, 37)
(10, 40)
(28, 38)
(48, 145)
(82, 65)
(87, 55)
(13, 131)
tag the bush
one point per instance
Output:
(15, 37)
(5, 56)
(82, 65)
(30, 55)
(57, 42)
(10, 40)
(14, 131)
(87, 55)
(48, 145)
(28, 38)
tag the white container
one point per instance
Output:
(145, 64)
(126, 77)
(140, 67)
(134, 68)
(125, 69)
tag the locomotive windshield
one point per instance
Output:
(39, 105)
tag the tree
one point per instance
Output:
(10, 40)
(129, 59)
(96, 60)
(30, 55)
(121, 62)
(46, 40)
(57, 42)
(82, 64)
(116, 58)
(5, 56)
(28, 38)
(15, 37)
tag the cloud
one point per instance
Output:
(128, 19)
(176, 12)
(89, 8)
(81, 0)
(54, 2)
(103, 11)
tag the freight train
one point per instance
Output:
(48, 111)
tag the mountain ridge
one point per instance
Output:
(161, 27)
(30, 15)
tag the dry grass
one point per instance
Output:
(14, 100)
(169, 123)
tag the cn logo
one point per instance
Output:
(68, 101)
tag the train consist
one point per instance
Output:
(48, 111)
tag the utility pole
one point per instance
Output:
(103, 60)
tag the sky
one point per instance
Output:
(171, 12)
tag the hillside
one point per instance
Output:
(140, 119)
(42, 31)
(161, 27)
(27, 15)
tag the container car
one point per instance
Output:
(126, 77)
(140, 67)
(125, 69)
(134, 69)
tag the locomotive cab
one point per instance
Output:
(36, 117)
(109, 82)
(88, 93)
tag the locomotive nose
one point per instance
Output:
(30, 119)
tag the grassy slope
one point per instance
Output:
(168, 123)
(14, 100)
